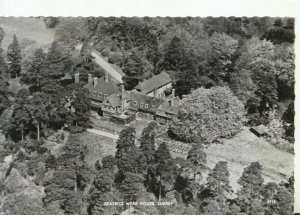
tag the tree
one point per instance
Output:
(197, 160)
(57, 63)
(82, 105)
(216, 206)
(108, 162)
(283, 202)
(148, 141)
(14, 57)
(223, 54)
(125, 142)
(21, 117)
(259, 60)
(3, 65)
(4, 96)
(132, 186)
(164, 174)
(70, 178)
(104, 181)
(180, 63)
(208, 114)
(72, 30)
(251, 183)
(243, 86)
(218, 180)
(33, 74)
(40, 107)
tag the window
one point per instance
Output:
(146, 105)
(141, 105)
(100, 94)
(105, 96)
(134, 102)
(153, 107)
(94, 93)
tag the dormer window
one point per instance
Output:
(134, 102)
(105, 96)
(146, 105)
(141, 105)
(153, 107)
(99, 94)
(94, 93)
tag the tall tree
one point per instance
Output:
(82, 106)
(125, 142)
(180, 63)
(148, 141)
(164, 171)
(4, 96)
(259, 60)
(251, 183)
(33, 74)
(40, 107)
(197, 160)
(223, 55)
(218, 179)
(14, 58)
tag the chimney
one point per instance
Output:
(155, 93)
(106, 77)
(90, 79)
(172, 97)
(77, 78)
(95, 81)
(122, 97)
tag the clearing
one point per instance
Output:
(245, 148)
(26, 28)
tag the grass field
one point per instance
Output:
(245, 148)
(98, 147)
(26, 28)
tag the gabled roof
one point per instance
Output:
(114, 100)
(166, 107)
(144, 99)
(154, 82)
(103, 87)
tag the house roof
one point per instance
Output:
(167, 107)
(154, 82)
(144, 99)
(108, 88)
(114, 100)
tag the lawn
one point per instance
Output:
(98, 147)
(245, 148)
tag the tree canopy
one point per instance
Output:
(208, 114)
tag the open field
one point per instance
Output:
(26, 28)
(98, 147)
(245, 148)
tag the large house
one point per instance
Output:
(156, 85)
(100, 89)
(149, 98)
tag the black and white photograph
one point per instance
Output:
(147, 115)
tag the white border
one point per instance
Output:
(173, 8)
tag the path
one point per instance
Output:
(98, 58)
(118, 75)
(103, 133)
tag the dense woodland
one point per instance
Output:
(229, 72)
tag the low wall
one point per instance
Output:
(174, 146)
